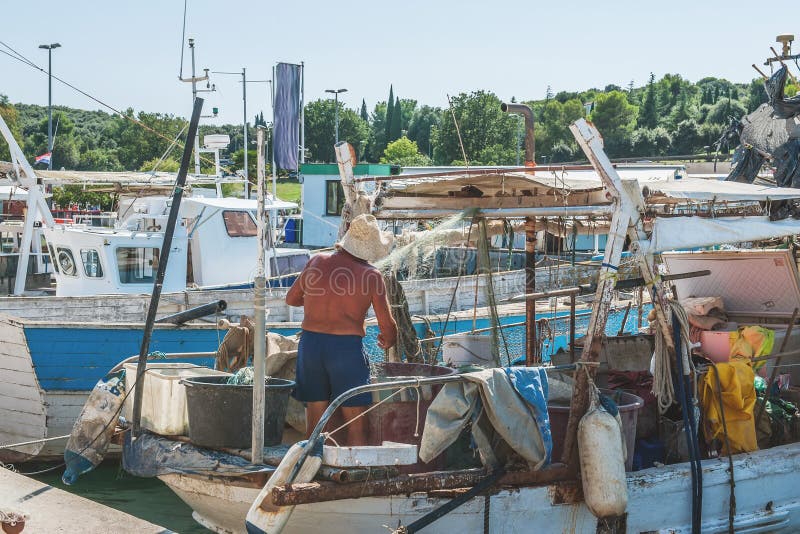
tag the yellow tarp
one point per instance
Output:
(751, 342)
(738, 400)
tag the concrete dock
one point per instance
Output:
(52, 510)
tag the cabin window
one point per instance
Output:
(91, 263)
(283, 265)
(239, 224)
(53, 257)
(334, 197)
(137, 265)
(66, 261)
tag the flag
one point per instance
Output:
(44, 158)
(286, 115)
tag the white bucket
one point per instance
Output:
(467, 349)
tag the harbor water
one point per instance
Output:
(146, 498)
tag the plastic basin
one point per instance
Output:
(220, 414)
(398, 419)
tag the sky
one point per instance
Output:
(128, 53)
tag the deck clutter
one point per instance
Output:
(468, 429)
(515, 444)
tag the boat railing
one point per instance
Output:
(316, 434)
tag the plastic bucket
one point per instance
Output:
(466, 349)
(220, 414)
(398, 419)
(629, 406)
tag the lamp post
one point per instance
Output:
(49, 48)
(336, 97)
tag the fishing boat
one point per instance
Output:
(719, 490)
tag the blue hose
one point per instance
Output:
(684, 386)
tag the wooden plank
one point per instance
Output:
(398, 202)
(19, 391)
(314, 492)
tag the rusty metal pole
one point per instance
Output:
(572, 327)
(531, 357)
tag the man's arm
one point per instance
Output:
(295, 295)
(380, 303)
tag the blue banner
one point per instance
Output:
(286, 116)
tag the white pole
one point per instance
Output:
(244, 107)
(302, 112)
(194, 97)
(273, 214)
(260, 342)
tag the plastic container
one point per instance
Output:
(92, 431)
(467, 349)
(629, 406)
(398, 419)
(716, 345)
(164, 398)
(220, 414)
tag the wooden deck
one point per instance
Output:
(53, 510)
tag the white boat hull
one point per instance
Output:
(767, 499)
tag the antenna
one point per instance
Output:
(786, 40)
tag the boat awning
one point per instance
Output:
(676, 233)
(700, 189)
(242, 204)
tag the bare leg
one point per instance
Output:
(314, 411)
(357, 429)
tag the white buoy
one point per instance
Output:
(602, 455)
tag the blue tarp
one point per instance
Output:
(150, 455)
(531, 384)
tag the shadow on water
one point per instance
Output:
(146, 498)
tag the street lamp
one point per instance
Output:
(336, 96)
(49, 48)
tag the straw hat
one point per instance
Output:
(365, 240)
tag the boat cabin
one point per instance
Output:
(215, 244)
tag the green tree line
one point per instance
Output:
(670, 116)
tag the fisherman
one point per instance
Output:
(336, 291)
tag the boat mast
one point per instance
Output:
(260, 341)
(177, 194)
(37, 208)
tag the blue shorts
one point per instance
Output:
(328, 365)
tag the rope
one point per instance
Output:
(663, 387)
(407, 340)
(34, 442)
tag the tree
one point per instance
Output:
(648, 118)
(686, 139)
(376, 142)
(320, 121)
(404, 152)
(396, 128)
(65, 146)
(481, 122)
(756, 94)
(419, 129)
(10, 115)
(252, 162)
(136, 144)
(364, 114)
(171, 165)
(389, 116)
(724, 110)
(614, 118)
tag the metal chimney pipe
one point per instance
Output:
(530, 138)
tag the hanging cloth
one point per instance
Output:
(738, 400)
